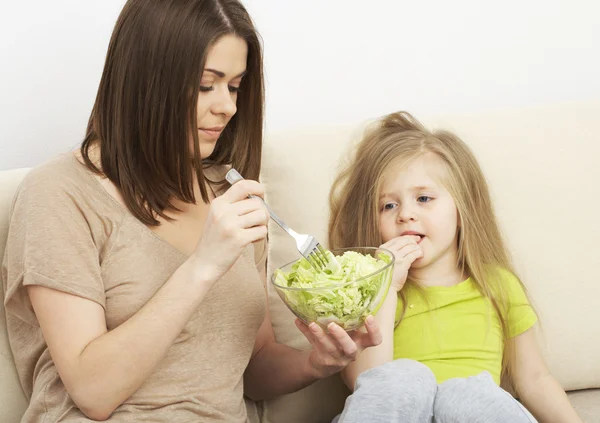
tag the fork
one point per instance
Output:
(307, 245)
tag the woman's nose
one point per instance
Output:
(225, 104)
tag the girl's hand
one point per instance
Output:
(406, 250)
(335, 350)
(233, 222)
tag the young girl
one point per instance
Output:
(458, 317)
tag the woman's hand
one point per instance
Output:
(334, 350)
(406, 250)
(233, 222)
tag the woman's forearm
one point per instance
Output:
(276, 370)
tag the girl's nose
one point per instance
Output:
(406, 214)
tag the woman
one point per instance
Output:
(134, 278)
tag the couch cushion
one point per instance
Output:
(297, 171)
(12, 399)
(541, 165)
(587, 404)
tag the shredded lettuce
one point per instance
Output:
(336, 300)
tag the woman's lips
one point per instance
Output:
(212, 132)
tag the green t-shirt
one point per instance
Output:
(455, 330)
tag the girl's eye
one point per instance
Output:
(388, 206)
(205, 89)
(424, 199)
(234, 89)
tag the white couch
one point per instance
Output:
(542, 167)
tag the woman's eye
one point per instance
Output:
(424, 199)
(234, 89)
(204, 89)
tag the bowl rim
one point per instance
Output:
(338, 285)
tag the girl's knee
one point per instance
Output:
(400, 375)
(401, 390)
(476, 398)
(412, 370)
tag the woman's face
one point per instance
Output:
(223, 72)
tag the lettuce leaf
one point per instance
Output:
(337, 300)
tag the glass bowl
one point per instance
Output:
(348, 302)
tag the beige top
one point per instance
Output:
(69, 234)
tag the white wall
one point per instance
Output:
(327, 61)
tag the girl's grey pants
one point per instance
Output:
(405, 391)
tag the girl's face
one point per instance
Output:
(414, 202)
(223, 72)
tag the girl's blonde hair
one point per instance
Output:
(354, 201)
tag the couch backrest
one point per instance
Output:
(542, 166)
(12, 399)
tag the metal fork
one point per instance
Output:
(307, 245)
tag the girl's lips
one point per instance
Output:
(421, 237)
(413, 233)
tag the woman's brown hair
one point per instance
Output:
(145, 109)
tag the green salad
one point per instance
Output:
(337, 300)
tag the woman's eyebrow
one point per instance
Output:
(222, 74)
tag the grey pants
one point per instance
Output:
(405, 391)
